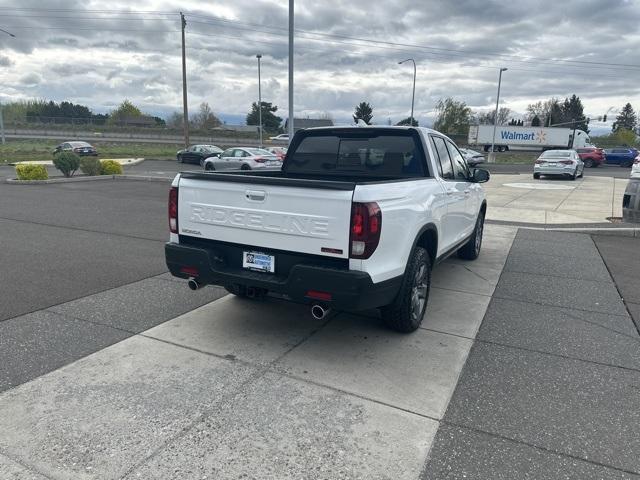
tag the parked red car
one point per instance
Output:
(591, 156)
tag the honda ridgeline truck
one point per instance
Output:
(355, 219)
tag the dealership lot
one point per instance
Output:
(131, 375)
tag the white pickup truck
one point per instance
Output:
(355, 219)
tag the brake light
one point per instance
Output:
(538, 162)
(173, 210)
(566, 162)
(326, 296)
(366, 226)
(260, 159)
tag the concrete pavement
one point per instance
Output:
(550, 387)
(259, 389)
(521, 199)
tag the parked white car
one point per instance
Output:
(635, 168)
(559, 162)
(242, 158)
(355, 219)
(283, 137)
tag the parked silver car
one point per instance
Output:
(559, 162)
(243, 158)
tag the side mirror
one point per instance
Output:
(480, 175)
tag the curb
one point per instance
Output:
(49, 163)
(623, 230)
(97, 178)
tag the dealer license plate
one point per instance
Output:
(259, 261)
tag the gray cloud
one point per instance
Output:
(104, 58)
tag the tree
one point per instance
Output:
(270, 121)
(535, 121)
(626, 119)
(175, 120)
(125, 111)
(407, 121)
(452, 116)
(486, 118)
(205, 118)
(363, 112)
(625, 137)
(572, 110)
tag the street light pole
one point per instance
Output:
(185, 108)
(290, 130)
(492, 154)
(259, 100)
(2, 119)
(413, 95)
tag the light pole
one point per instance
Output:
(259, 100)
(413, 95)
(1, 119)
(492, 154)
(290, 130)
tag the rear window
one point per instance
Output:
(556, 154)
(358, 153)
(585, 150)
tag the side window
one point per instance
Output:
(237, 153)
(66, 146)
(227, 153)
(443, 160)
(460, 168)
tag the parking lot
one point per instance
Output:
(110, 368)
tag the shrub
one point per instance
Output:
(90, 166)
(27, 171)
(110, 167)
(67, 163)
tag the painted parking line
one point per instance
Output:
(262, 389)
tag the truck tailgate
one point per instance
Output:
(279, 217)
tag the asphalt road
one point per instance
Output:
(101, 241)
(602, 171)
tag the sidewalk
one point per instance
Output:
(521, 199)
(551, 387)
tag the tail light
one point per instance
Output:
(637, 160)
(566, 162)
(173, 210)
(366, 225)
(77, 149)
(260, 159)
(538, 162)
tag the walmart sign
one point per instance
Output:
(511, 135)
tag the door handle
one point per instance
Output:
(467, 192)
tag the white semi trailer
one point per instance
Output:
(526, 138)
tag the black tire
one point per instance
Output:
(582, 173)
(575, 174)
(471, 249)
(588, 163)
(406, 311)
(180, 160)
(627, 164)
(208, 167)
(245, 167)
(536, 176)
(202, 162)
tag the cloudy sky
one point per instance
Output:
(98, 53)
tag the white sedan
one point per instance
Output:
(559, 162)
(635, 168)
(243, 158)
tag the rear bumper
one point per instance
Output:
(349, 289)
(568, 170)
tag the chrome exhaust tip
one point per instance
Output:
(194, 284)
(319, 312)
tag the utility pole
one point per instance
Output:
(185, 108)
(291, 130)
(1, 125)
(492, 155)
(1, 119)
(573, 137)
(259, 100)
